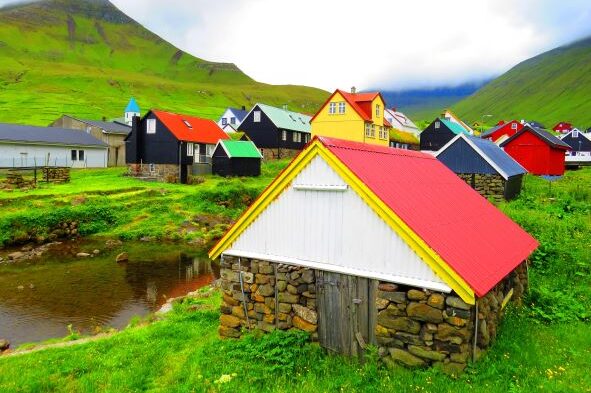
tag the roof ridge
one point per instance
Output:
(393, 152)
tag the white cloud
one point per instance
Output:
(371, 43)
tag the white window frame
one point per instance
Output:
(186, 122)
(283, 135)
(209, 149)
(437, 124)
(224, 121)
(377, 110)
(368, 130)
(373, 131)
(342, 107)
(296, 137)
(575, 134)
(256, 116)
(514, 126)
(190, 149)
(332, 108)
(232, 120)
(151, 126)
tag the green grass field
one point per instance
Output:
(548, 88)
(70, 57)
(545, 346)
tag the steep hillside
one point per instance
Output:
(86, 58)
(554, 86)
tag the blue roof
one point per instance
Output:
(132, 106)
(239, 113)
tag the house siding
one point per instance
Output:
(266, 135)
(461, 158)
(23, 154)
(535, 155)
(222, 165)
(433, 139)
(577, 144)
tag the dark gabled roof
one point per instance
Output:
(239, 113)
(491, 131)
(542, 134)
(111, 127)
(49, 135)
(498, 156)
(536, 124)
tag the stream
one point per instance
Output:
(39, 298)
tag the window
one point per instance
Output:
(232, 120)
(383, 133)
(297, 137)
(367, 130)
(377, 111)
(187, 123)
(332, 108)
(151, 126)
(514, 126)
(80, 155)
(256, 116)
(575, 134)
(307, 138)
(341, 108)
(152, 168)
(190, 149)
(209, 149)
(437, 124)
(74, 155)
(224, 121)
(88, 129)
(283, 135)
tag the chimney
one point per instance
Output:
(394, 109)
(104, 118)
(353, 90)
(243, 107)
(136, 135)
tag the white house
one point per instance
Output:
(232, 117)
(25, 146)
(401, 122)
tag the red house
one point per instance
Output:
(502, 128)
(538, 151)
(563, 127)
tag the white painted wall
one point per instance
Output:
(22, 154)
(228, 115)
(332, 230)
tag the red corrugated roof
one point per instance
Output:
(356, 101)
(470, 234)
(201, 130)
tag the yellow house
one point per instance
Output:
(353, 116)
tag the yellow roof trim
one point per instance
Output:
(442, 269)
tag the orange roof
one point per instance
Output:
(356, 101)
(190, 128)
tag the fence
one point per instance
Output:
(25, 161)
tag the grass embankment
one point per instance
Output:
(546, 346)
(106, 203)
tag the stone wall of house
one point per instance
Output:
(489, 186)
(267, 296)
(162, 172)
(274, 154)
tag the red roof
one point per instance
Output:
(191, 129)
(357, 101)
(470, 234)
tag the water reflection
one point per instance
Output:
(38, 300)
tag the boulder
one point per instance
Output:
(96, 251)
(225, 331)
(396, 297)
(229, 321)
(266, 290)
(388, 287)
(382, 303)
(308, 276)
(288, 298)
(424, 312)
(426, 353)
(436, 300)
(415, 294)
(402, 324)
(4, 344)
(306, 314)
(303, 325)
(122, 257)
(406, 358)
(83, 255)
(456, 302)
(15, 255)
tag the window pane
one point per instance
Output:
(257, 116)
(74, 155)
(80, 155)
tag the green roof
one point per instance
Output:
(454, 127)
(240, 149)
(287, 120)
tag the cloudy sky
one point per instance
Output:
(370, 43)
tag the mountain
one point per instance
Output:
(426, 104)
(86, 58)
(554, 86)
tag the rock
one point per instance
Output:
(225, 331)
(15, 255)
(406, 358)
(382, 303)
(266, 290)
(456, 321)
(122, 257)
(408, 338)
(31, 286)
(230, 301)
(247, 277)
(396, 297)
(381, 331)
(262, 279)
(112, 243)
(415, 294)
(281, 286)
(265, 326)
(26, 248)
(456, 312)
(229, 321)
(403, 324)
(425, 353)
(388, 287)
(20, 287)
(96, 251)
(285, 308)
(452, 368)
(308, 276)
(82, 254)
(436, 300)
(461, 357)
(424, 312)
(285, 297)
(291, 289)
(262, 308)
(265, 269)
(303, 325)
(446, 331)
(306, 314)
(484, 338)
(457, 303)
(4, 344)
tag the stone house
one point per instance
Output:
(110, 132)
(357, 244)
(484, 166)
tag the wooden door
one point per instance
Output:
(346, 312)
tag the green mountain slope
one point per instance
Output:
(554, 86)
(86, 58)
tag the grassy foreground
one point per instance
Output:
(545, 346)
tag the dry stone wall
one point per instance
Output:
(162, 172)
(489, 186)
(264, 295)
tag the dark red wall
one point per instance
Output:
(535, 155)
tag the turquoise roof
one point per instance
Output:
(287, 120)
(455, 127)
(132, 106)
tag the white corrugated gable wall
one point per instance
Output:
(332, 230)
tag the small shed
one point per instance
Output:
(484, 166)
(538, 151)
(236, 158)
(358, 244)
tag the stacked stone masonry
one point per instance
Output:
(279, 153)
(161, 172)
(489, 186)
(58, 175)
(266, 296)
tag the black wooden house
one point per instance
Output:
(439, 133)
(277, 132)
(578, 141)
(236, 158)
(166, 146)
